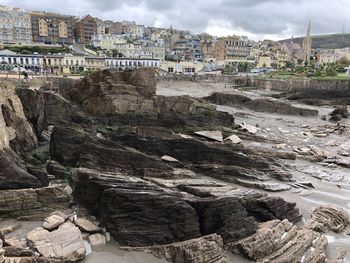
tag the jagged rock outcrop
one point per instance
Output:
(259, 104)
(281, 241)
(205, 249)
(13, 172)
(140, 213)
(17, 140)
(43, 108)
(34, 108)
(339, 113)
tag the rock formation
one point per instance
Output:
(138, 212)
(280, 241)
(259, 104)
(329, 218)
(136, 160)
(201, 250)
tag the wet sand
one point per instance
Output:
(288, 129)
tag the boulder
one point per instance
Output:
(52, 222)
(86, 225)
(65, 243)
(233, 139)
(249, 128)
(97, 240)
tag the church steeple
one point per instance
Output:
(307, 45)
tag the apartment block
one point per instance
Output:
(51, 28)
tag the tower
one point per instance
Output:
(307, 45)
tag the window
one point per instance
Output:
(170, 70)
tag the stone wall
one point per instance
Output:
(340, 88)
(229, 79)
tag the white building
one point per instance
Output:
(107, 42)
(333, 55)
(131, 63)
(131, 50)
(15, 26)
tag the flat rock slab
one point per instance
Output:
(322, 174)
(66, 243)
(212, 135)
(52, 222)
(86, 225)
(169, 159)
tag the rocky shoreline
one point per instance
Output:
(176, 177)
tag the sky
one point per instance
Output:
(257, 19)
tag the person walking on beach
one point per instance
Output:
(25, 74)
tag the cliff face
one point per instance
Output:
(17, 138)
(9, 100)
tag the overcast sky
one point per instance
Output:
(258, 19)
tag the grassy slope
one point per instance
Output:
(328, 41)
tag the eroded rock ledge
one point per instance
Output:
(141, 213)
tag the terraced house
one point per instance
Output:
(52, 28)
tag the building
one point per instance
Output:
(50, 28)
(53, 63)
(185, 67)
(123, 63)
(194, 46)
(93, 63)
(232, 49)
(9, 60)
(293, 50)
(73, 64)
(69, 63)
(86, 28)
(15, 26)
(107, 42)
(326, 56)
(131, 50)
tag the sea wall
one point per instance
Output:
(340, 88)
(213, 78)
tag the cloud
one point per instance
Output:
(256, 18)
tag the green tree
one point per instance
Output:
(344, 61)
(331, 72)
(25, 52)
(274, 65)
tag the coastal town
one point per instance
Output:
(153, 142)
(51, 43)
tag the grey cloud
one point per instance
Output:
(256, 17)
